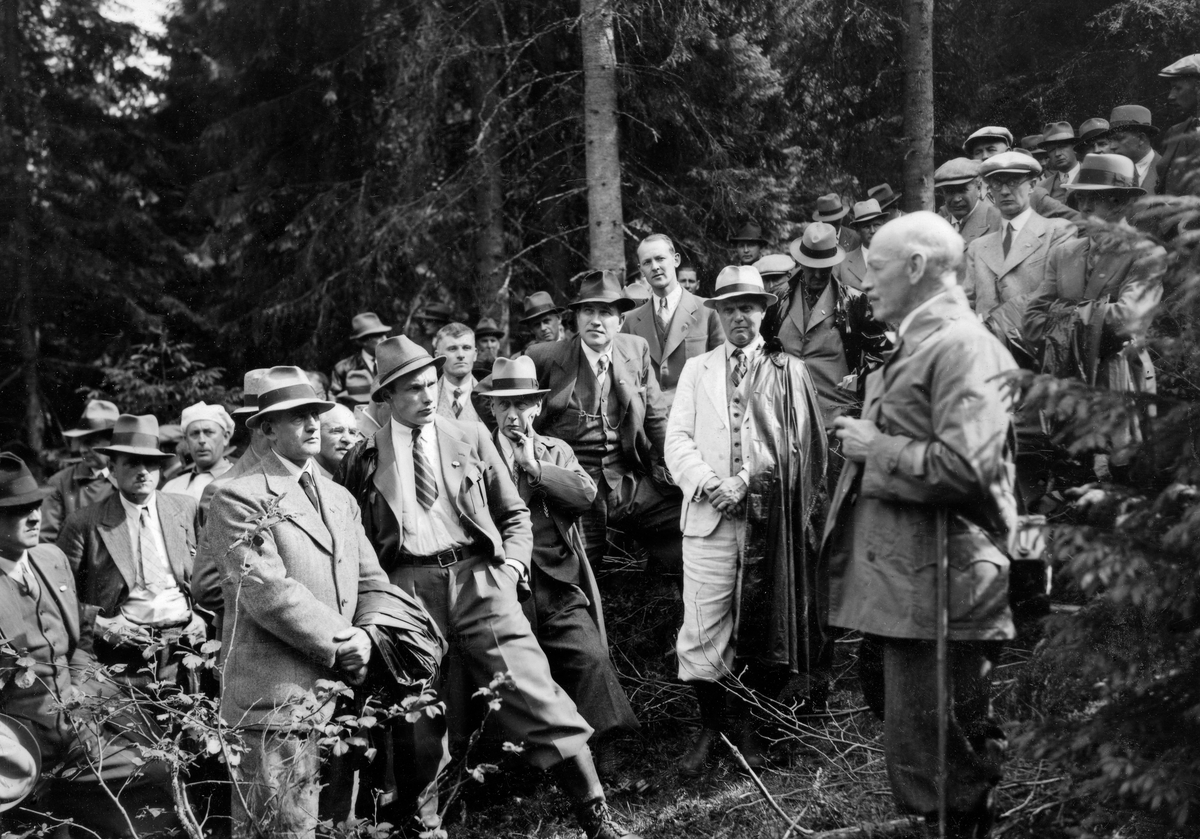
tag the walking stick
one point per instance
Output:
(943, 687)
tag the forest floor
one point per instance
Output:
(824, 775)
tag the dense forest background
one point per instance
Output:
(293, 162)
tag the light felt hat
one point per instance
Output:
(1033, 144)
(204, 411)
(367, 323)
(137, 435)
(956, 171)
(396, 357)
(988, 132)
(358, 388)
(740, 281)
(830, 208)
(1010, 163)
(251, 385)
(1106, 172)
(285, 388)
(603, 287)
(18, 487)
(884, 195)
(1091, 130)
(512, 377)
(865, 211)
(1126, 117)
(99, 416)
(818, 246)
(1058, 132)
(20, 762)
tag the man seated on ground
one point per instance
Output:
(206, 433)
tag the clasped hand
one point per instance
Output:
(856, 436)
(353, 653)
(725, 494)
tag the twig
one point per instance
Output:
(896, 827)
(737, 755)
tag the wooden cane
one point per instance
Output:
(943, 687)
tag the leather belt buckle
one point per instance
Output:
(447, 558)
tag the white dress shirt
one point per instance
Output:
(21, 572)
(368, 360)
(133, 523)
(193, 481)
(1143, 166)
(1017, 223)
(672, 299)
(431, 531)
(593, 357)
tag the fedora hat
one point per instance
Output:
(1189, 65)
(488, 327)
(865, 211)
(365, 421)
(884, 195)
(774, 264)
(1105, 172)
(512, 377)
(817, 247)
(251, 385)
(956, 171)
(740, 281)
(988, 132)
(437, 312)
(538, 304)
(358, 388)
(18, 487)
(367, 323)
(638, 290)
(1126, 117)
(603, 287)
(1032, 143)
(285, 388)
(1091, 130)
(20, 762)
(136, 435)
(1057, 132)
(830, 208)
(1011, 163)
(398, 356)
(98, 417)
(751, 231)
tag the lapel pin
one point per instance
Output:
(62, 588)
(454, 463)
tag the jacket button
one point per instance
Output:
(870, 556)
(344, 601)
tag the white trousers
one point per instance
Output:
(705, 645)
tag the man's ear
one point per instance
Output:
(678, 259)
(916, 267)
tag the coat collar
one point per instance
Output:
(292, 501)
(715, 379)
(1028, 240)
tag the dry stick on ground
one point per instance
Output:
(737, 755)
(882, 830)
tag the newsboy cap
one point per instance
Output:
(988, 132)
(957, 171)
(1010, 163)
(1189, 65)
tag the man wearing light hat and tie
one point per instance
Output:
(1058, 141)
(206, 430)
(868, 217)
(1182, 142)
(832, 211)
(292, 557)
(86, 482)
(1006, 266)
(367, 331)
(1130, 133)
(958, 183)
(132, 556)
(542, 318)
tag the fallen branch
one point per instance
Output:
(737, 755)
(879, 830)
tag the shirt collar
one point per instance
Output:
(1020, 221)
(672, 298)
(908, 319)
(368, 359)
(135, 510)
(592, 356)
(12, 567)
(1069, 176)
(294, 470)
(1143, 165)
(751, 350)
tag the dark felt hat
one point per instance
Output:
(538, 304)
(99, 417)
(751, 231)
(18, 488)
(603, 287)
(399, 356)
(136, 435)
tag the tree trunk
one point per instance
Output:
(489, 189)
(918, 104)
(605, 221)
(14, 214)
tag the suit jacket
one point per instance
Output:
(944, 426)
(300, 586)
(73, 488)
(992, 279)
(446, 399)
(96, 542)
(699, 438)
(476, 478)
(1054, 182)
(852, 270)
(983, 219)
(1150, 182)
(848, 238)
(1047, 206)
(695, 329)
(55, 578)
(1179, 145)
(643, 427)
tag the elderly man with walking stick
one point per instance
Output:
(915, 536)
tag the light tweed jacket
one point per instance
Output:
(300, 587)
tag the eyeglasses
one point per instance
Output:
(1000, 182)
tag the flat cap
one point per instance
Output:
(203, 411)
(1010, 163)
(959, 170)
(988, 132)
(775, 263)
(1187, 66)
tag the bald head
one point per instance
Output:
(912, 258)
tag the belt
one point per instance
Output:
(442, 559)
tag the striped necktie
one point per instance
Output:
(458, 392)
(427, 490)
(739, 367)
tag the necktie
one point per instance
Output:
(458, 391)
(427, 490)
(601, 367)
(306, 484)
(1007, 237)
(662, 311)
(27, 580)
(154, 575)
(739, 367)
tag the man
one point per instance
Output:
(1093, 138)
(832, 211)
(1006, 266)
(565, 610)
(86, 482)
(40, 623)
(1182, 141)
(367, 330)
(605, 403)
(430, 320)
(1032, 143)
(931, 444)
(867, 218)
(542, 318)
(674, 322)
(889, 201)
(206, 431)
(709, 452)
(987, 142)
(487, 342)
(958, 183)
(450, 528)
(1130, 134)
(132, 558)
(749, 243)
(339, 434)
(455, 342)
(358, 389)
(688, 278)
(1058, 140)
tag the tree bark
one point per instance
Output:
(14, 214)
(606, 223)
(918, 105)
(490, 295)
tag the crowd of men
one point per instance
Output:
(792, 454)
